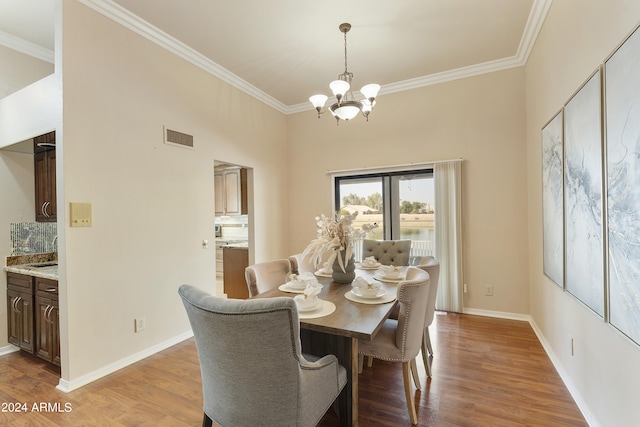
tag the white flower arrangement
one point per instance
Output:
(336, 234)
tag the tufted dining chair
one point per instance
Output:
(301, 264)
(399, 340)
(266, 275)
(387, 252)
(253, 371)
(431, 266)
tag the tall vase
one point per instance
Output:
(349, 272)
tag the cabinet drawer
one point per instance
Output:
(21, 281)
(46, 286)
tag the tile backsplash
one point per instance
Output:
(234, 227)
(33, 237)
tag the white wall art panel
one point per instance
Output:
(622, 107)
(583, 196)
(552, 200)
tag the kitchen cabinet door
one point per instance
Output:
(45, 185)
(230, 186)
(20, 319)
(47, 323)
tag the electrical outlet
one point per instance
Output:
(139, 324)
(464, 288)
(488, 290)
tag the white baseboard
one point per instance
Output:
(67, 386)
(9, 348)
(566, 379)
(498, 314)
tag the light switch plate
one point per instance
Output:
(80, 214)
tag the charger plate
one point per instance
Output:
(388, 297)
(324, 309)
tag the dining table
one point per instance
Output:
(337, 327)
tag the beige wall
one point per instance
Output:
(152, 203)
(16, 205)
(480, 119)
(603, 374)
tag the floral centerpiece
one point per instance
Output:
(336, 239)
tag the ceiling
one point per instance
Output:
(283, 51)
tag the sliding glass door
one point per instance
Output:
(402, 203)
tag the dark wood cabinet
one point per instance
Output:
(47, 320)
(44, 165)
(20, 311)
(33, 315)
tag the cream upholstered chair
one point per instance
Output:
(387, 252)
(301, 264)
(266, 275)
(253, 371)
(431, 266)
(399, 340)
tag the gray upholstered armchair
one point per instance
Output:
(253, 371)
(387, 252)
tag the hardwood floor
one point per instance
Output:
(486, 372)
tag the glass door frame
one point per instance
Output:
(391, 223)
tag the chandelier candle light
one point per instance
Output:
(346, 106)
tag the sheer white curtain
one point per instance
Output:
(447, 182)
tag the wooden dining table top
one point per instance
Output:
(350, 319)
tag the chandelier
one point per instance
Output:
(346, 106)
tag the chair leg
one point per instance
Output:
(206, 421)
(369, 361)
(427, 338)
(414, 373)
(424, 351)
(408, 392)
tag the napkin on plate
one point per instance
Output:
(362, 283)
(369, 261)
(326, 268)
(303, 280)
(391, 271)
(309, 298)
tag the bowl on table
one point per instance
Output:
(392, 272)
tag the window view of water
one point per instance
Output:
(411, 213)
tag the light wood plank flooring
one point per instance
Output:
(486, 372)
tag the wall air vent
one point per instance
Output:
(179, 139)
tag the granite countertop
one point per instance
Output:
(37, 265)
(222, 243)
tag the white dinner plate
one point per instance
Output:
(383, 278)
(320, 273)
(287, 288)
(324, 308)
(379, 294)
(372, 267)
(387, 297)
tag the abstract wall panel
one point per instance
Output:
(584, 255)
(552, 200)
(622, 108)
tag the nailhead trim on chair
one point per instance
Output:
(404, 332)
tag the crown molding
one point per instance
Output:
(539, 11)
(122, 16)
(26, 47)
(131, 21)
